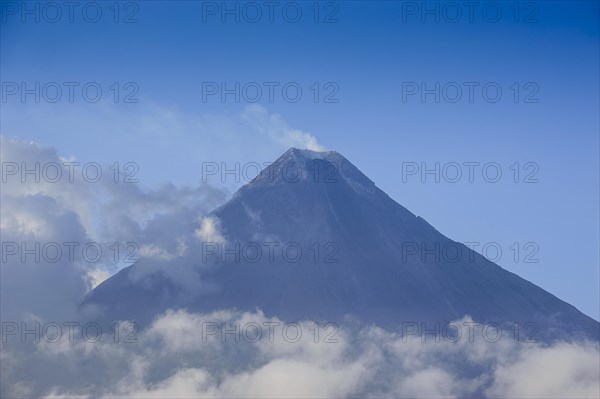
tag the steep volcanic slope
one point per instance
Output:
(362, 255)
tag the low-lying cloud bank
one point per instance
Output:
(187, 355)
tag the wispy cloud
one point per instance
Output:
(274, 127)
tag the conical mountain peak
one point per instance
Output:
(310, 154)
(359, 253)
(308, 166)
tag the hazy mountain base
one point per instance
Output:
(178, 356)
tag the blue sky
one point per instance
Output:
(369, 57)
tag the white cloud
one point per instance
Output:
(561, 371)
(172, 359)
(124, 221)
(210, 230)
(96, 277)
(274, 127)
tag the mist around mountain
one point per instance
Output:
(357, 315)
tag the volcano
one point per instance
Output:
(311, 237)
